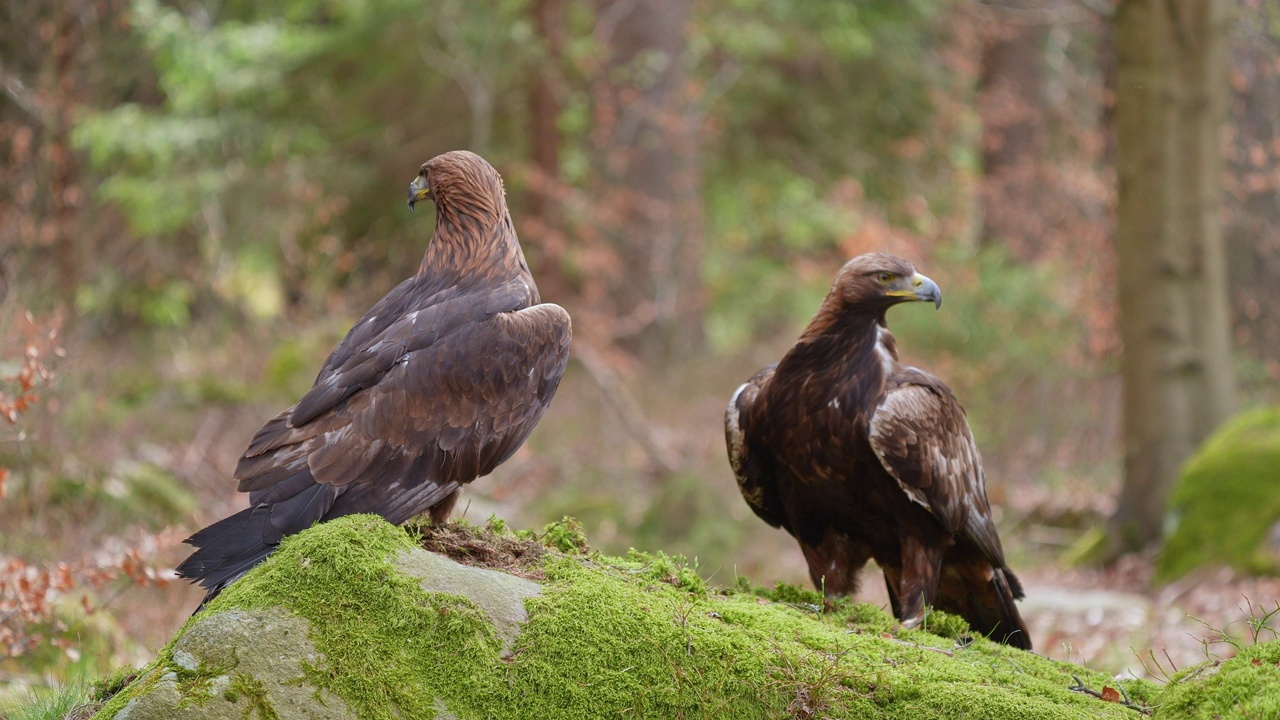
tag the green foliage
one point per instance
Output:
(1225, 506)
(154, 493)
(992, 340)
(993, 302)
(763, 228)
(826, 74)
(47, 703)
(567, 536)
(295, 359)
(676, 517)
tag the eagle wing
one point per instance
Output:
(441, 396)
(920, 434)
(752, 464)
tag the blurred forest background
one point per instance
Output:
(198, 197)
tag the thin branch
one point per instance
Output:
(22, 95)
(625, 406)
(1080, 687)
(1066, 14)
(918, 646)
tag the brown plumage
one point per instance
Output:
(860, 457)
(435, 386)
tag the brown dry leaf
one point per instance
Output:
(1109, 694)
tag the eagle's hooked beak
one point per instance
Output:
(917, 288)
(926, 290)
(419, 189)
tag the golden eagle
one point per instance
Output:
(860, 457)
(435, 386)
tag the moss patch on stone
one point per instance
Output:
(1227, 500)
(606, 637)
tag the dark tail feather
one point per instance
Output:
(228, 549)
(995, 615)
(984, 596)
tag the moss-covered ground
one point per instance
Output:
(1227, 500)
(643, 636)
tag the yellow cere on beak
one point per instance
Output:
(927, 290)
(918, 288)
(419, 190)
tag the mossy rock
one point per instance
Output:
(354, 619)
(1225, 508)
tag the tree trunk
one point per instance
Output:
(1171, 81)
(548, 17)
(651, 162)
(1013, 136)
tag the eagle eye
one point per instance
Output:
(884, 278)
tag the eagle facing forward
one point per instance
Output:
(435, 386)
(860, 457)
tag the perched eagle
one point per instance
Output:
(860, 457)
(435, 386)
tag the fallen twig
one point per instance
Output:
(1080, 687)
(948, 653)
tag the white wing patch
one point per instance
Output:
(886, 358)
(733, 431)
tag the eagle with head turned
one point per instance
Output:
(435, 386)
(860, 457)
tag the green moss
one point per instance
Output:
(1228, 499)
(105, 687)
(792, 594)
(1242, 687)
(615, 637)
(259, 705)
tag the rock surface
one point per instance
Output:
(229, 664)
(499, 595)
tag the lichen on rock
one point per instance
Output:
(233, 664)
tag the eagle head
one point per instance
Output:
(460, 180)
(876, 281)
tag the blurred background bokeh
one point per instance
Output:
(198, 197)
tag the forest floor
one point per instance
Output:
(1113, 619)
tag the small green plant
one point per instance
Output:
(1261, 627)
(1258, 621)
(567, 536)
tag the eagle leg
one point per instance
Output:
(440, 511)
(918, 583)
(892, 576)
(835, 562)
